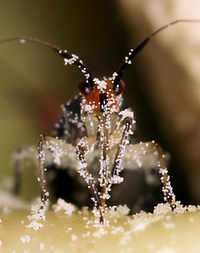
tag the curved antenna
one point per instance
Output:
(133, 53)
(71, 59)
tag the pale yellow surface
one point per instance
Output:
(170, 234)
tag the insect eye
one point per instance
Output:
(119, 87)
(84, 88)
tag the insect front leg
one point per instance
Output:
(133, 151)
(118, 142)
(126, 126)
(84, 146)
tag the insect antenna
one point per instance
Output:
(71, 59)
(134, 52)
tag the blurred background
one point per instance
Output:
(162, 84)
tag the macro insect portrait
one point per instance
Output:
(92, 145)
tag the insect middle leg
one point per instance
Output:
(133, 151)
(59, 149)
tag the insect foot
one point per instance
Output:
(94, 138)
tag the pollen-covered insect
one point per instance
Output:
(94, 138)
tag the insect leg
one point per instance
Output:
(82, 148)
(145, 147)
(42, 177)
(59, 149)
(126, 124)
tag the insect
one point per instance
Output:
(94, 135)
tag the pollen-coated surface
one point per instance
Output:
(161, 231)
